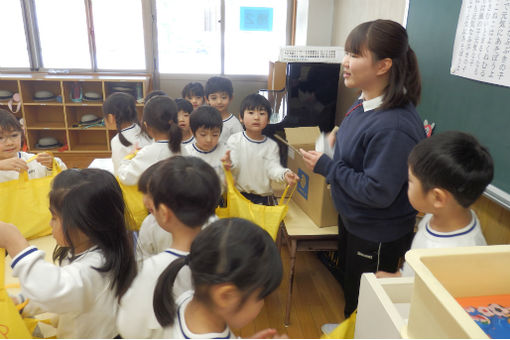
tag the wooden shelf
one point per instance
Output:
(58, 118)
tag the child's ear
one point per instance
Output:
(440, 197)
(165, 213)
(225, 296)
(110, 120)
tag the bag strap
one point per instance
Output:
(23, 177)
(284, 201)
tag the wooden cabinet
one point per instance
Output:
(54, 105)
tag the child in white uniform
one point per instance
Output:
(94, 251)
(253, 157)
(120, 114)
(184, 109)
(182, 193)
(206, 124)
(13, 160)
(234, 265)
(160, 120)
(447, 173)
(219, 93)
(194, 93)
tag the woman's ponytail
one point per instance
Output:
(163, 301)
(413, 78)
(174, 137)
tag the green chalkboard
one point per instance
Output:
(452, 102)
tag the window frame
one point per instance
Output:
(149, 16)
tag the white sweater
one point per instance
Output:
(136, 317)
(35, 169)
(80, 294)
(213, 158)
(134, 135)
(231, 125)
(255, 164)
(130, 170)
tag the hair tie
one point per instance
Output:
(186, 260)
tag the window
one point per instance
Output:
(14, 52)
(63, 34)
(190, 35)
(119, 38)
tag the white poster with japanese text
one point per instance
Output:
(482, 43)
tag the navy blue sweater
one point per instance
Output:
(368, 173)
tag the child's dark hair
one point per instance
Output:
(123, 107)
(8, 122)
(153, 94)
(256, 101)
(388, 39)
(230, 250)
(454, 161)
(192, 89)
(143, 182)
(219, 84)
(207, 117)
(91, 201)
(160, 113)
(188, 186)
(183, 105)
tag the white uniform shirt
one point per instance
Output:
(35, 169)
(152, 239)
(231, 125)
(470, 235)
(213, 158)
(80, 294)
(134, 135)
(255, 164)
(130, 170)
(188, 141)
(180, 330)
(136, 318)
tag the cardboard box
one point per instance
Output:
(312, 193)
(445, 274)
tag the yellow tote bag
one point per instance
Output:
(267, 217)
(12, 325)
(345, 330)
(24, 202)
(134, 203)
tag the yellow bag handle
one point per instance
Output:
(23, 177)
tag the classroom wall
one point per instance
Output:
(314, 20)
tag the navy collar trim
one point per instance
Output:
(162, 141)
(229, 118)
(174, 253)
(128, 128)
(189, 140)
(204, 152)
(253, 140)
(451, 235)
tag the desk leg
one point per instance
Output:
(293, 250)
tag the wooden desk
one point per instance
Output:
(301, 234)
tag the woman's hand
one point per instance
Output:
(46, 159)
(13, 164)
(332, 137)
(11, 239)
(311, 158)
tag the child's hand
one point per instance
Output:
(268, 333)
(46, 159)
(310, 158)
(11, 239)
(382, 274)
(291, 178)
(13, 164)
(227, 162)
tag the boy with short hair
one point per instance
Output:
(184, 109)
(253, 157)
(448, 172)
(206, 125)
(219, 94)
(194, 93)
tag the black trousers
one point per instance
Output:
(357, 256)
(258, 199)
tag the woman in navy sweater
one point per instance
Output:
(368, 172)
